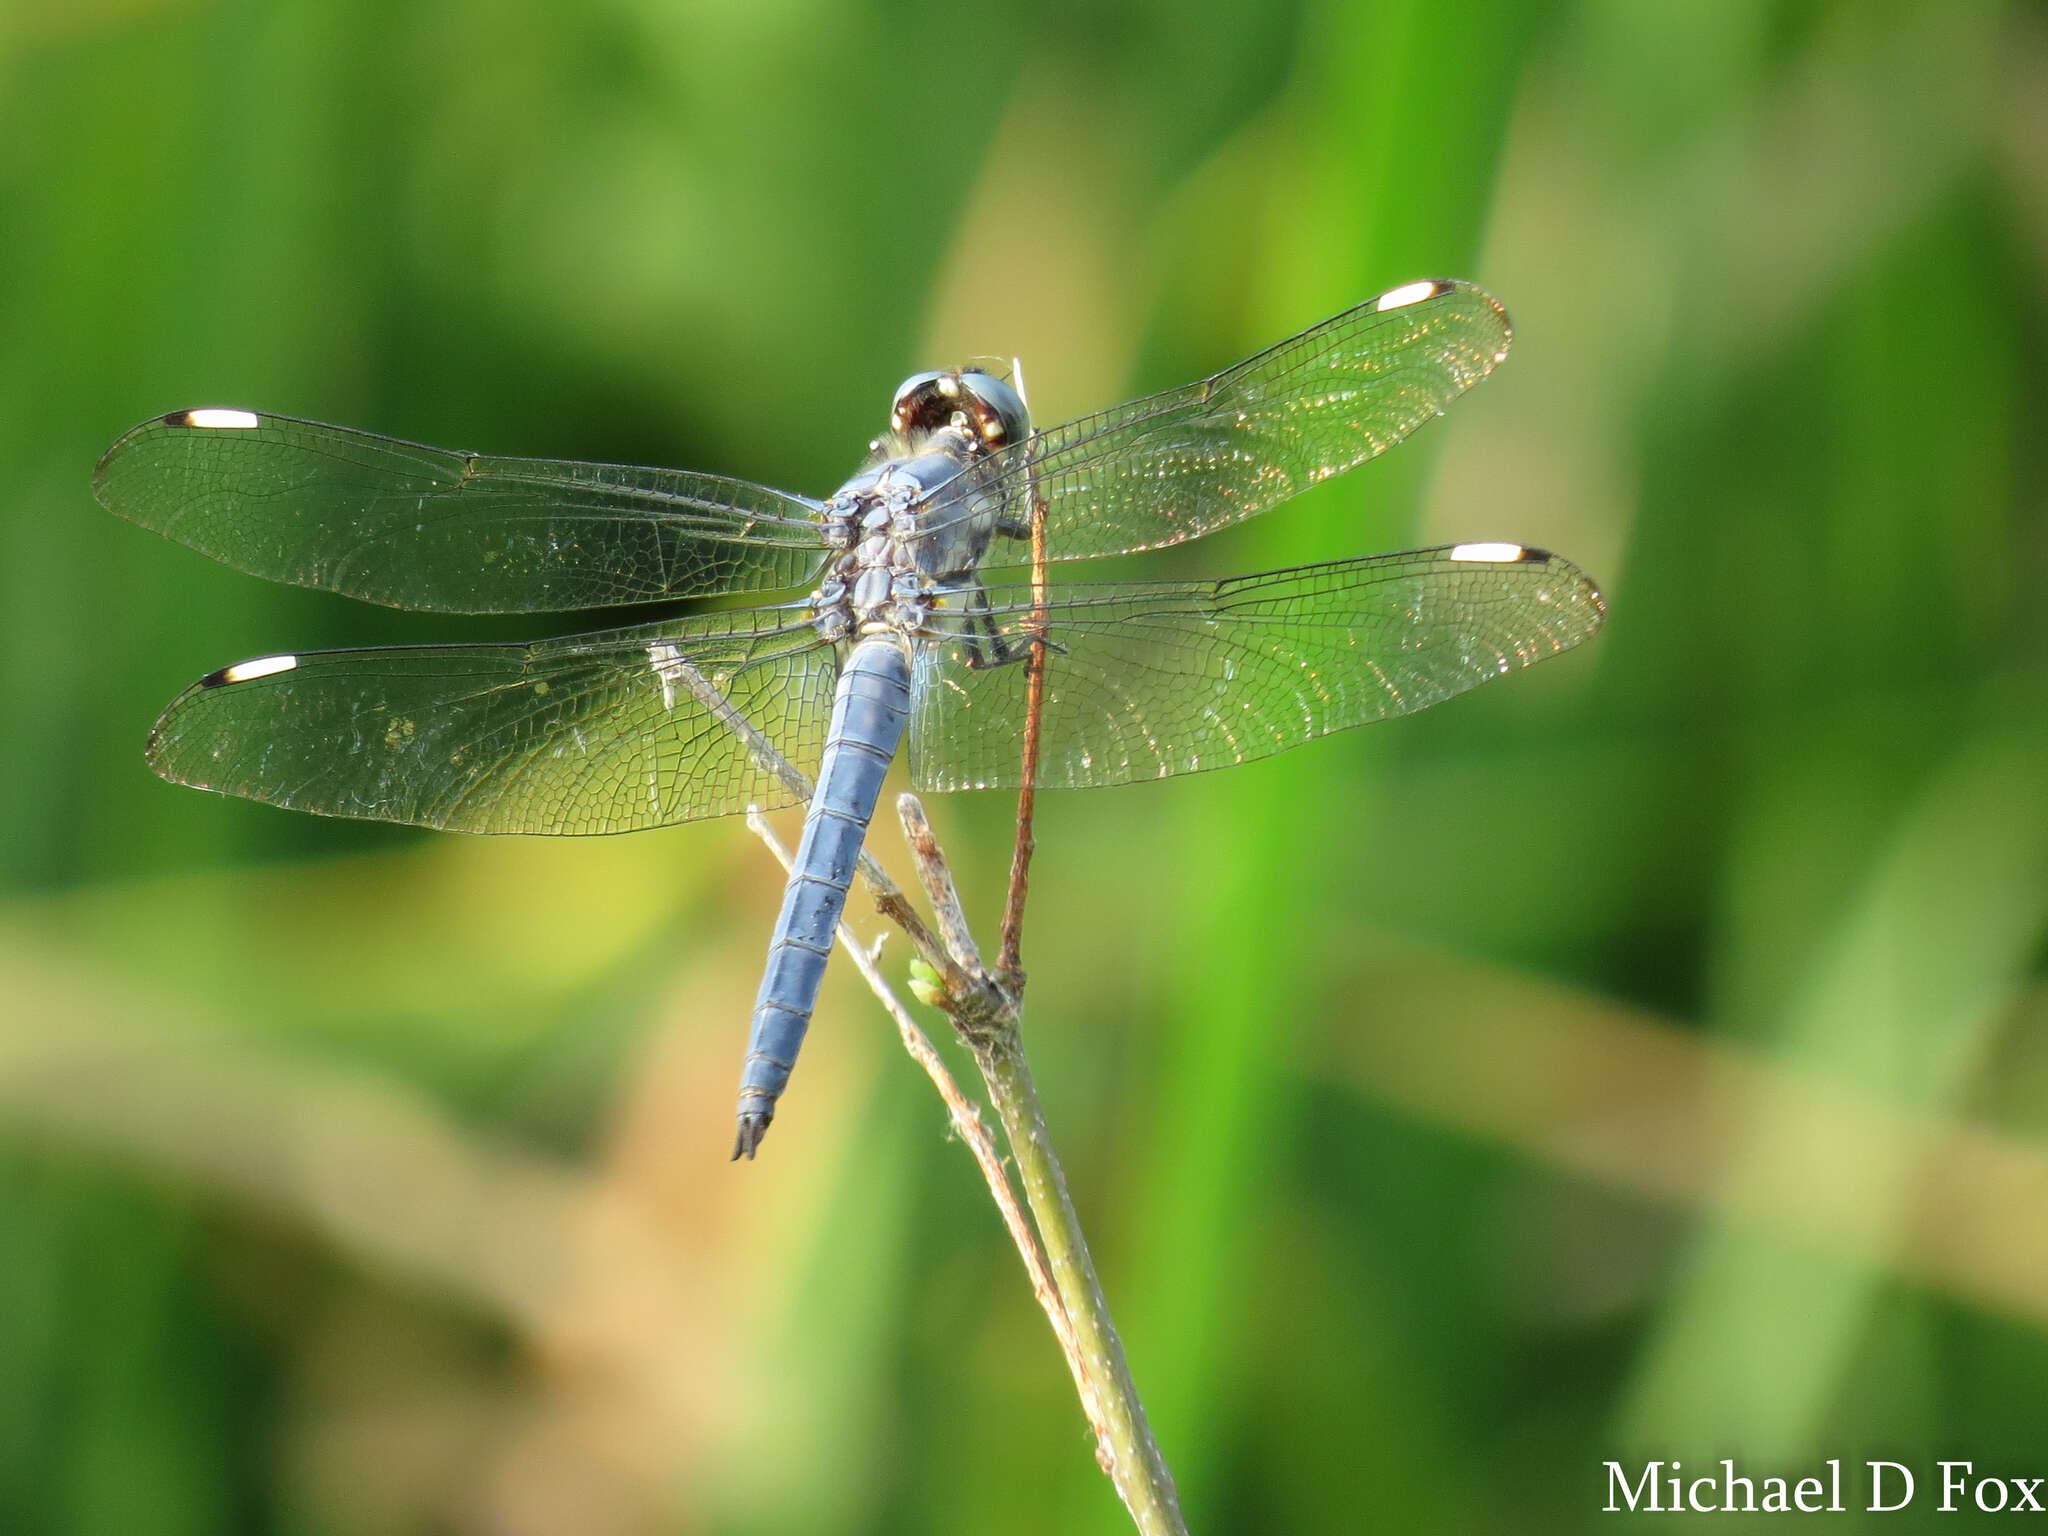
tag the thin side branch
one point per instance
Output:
(1009, 958)
(937, 879)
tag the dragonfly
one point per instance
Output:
(893, 625)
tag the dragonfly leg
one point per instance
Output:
(987, 645)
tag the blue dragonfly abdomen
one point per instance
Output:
(870, 707)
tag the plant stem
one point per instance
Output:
(1125, 1449)
(987, 1017)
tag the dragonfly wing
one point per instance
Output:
(417, 527)
(1177, 465)
(605, 732)
(1174, 677)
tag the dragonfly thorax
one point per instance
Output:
(914, 520)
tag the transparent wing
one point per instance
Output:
(1175, 677)
(416, 527)
(605, 732)
(1180, 464)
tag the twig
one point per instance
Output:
(937, 880)
(1009, 959)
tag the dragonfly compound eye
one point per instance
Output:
(998, 410)
(977, 402)
(925, 402)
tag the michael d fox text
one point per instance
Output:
(1872, 1487)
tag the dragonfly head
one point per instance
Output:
(980, 403)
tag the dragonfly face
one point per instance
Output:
(988, 405)
(899, 630)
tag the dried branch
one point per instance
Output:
(1009, 959)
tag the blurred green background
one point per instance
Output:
(1645, 1057)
